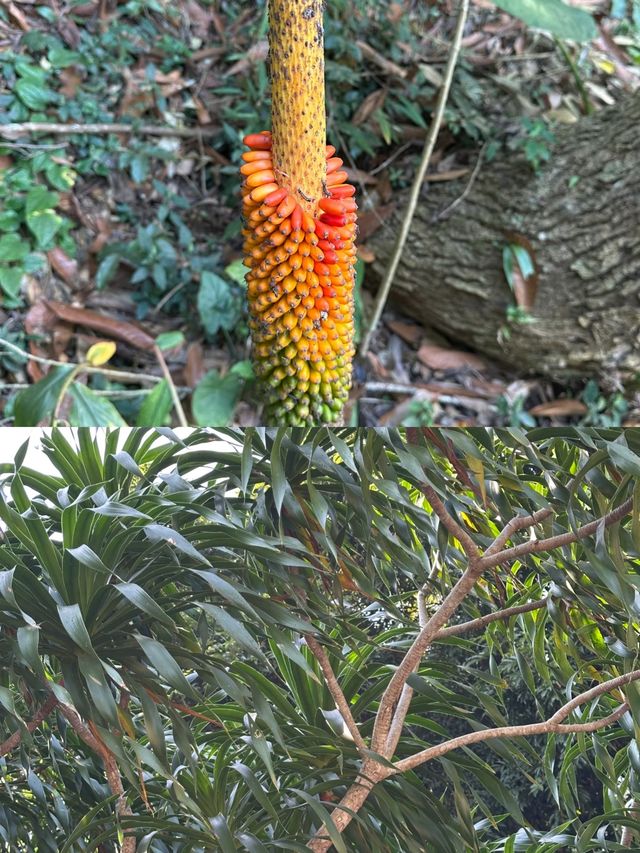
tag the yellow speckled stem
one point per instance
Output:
(296, 59)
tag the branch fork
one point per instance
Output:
(395, 702)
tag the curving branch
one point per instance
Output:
(536, 546)
(456, 596)
(552, 725)
(455, 529)
(519, 522)
(112, 773)
(40, 716)
(483, 621)
(336, 691)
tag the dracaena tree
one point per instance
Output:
(265, 644)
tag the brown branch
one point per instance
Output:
(13, 740)
(628, 834)
(552, 725)
(456, 530)
(457, 595)
(519, 522)
(336, 691)
(356, 795)
(402, 708)
(14, 129)
(535, 546)
(482, 621)
(112, 773)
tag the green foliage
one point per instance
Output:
(419, 413)
(603, 411)
(534, 141)
(169, 582)
(29, 223)
(554, 16)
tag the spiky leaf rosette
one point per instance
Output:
(300, 288)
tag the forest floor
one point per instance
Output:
(135, 237)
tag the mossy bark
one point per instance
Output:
(580, 218)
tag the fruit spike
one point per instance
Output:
(300, 292)
(300, 227)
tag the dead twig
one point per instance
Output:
(16, 129)
(429, 145)
(336, 691)
(177, 405)
(14, 740)
(437, 217)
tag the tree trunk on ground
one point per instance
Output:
(580, 218)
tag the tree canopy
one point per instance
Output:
(269, 643)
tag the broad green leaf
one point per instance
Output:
(218, 303)
(166, 664)
(156, 406)
(233, 627)
(558, 18)
(37, 402)
(73, 623)
(89, 409)
(215, 398)
(159, 533)
(141, 599)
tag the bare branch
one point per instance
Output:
(456, 530)
(519, 522)
(13, 740)
(407, 665)
(628, 834)
(553, 724)
(336, 691)
(482, 621)
(16, 129)
(342, 814)
(114, 780)
(535, 546)
(402, 709)
(455, 597)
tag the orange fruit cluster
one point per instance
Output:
(299, 288)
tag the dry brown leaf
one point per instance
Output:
(374, 101)
(40, 323)
(86, 10)
(71, 78)
(69, 31)
(370, 220)
(366, 254)
(123, 331)
(447, 175)
(559, 408)
(194, 368)
(378, 368)
(17, 16)
(409, 332)
(359, 176)
(395, 12)
(381, 61)
(66, 267)
(441, 358)
(256, 53)
(202, 113)
(199, 18)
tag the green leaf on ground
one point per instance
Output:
(554, 16)
(36, 403)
